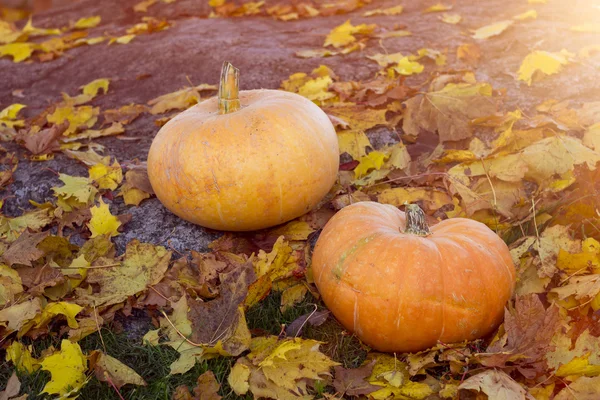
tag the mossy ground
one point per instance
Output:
(152, 363)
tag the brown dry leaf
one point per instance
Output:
(583, 388)
(496, 384)
(469, 53)
(13, 387)
(214, 321)
(529, 329)
(352, 382)
(448, 111)
(207, 387)
(124, 115)
(24, 250)
(42, 142)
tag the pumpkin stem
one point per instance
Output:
(229, 89)
(415, 221)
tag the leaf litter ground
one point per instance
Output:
(486, 111)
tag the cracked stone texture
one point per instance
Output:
(193, 49)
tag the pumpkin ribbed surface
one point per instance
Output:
(266, 163)
(402, 292)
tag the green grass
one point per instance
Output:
(152, 363)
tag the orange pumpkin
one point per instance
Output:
(402, 287)
(244, 160)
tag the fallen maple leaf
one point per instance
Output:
(528, 333)
(67, 367)
(437, 8)
(103, 222)
(496, 384)
(109, 369)
(179, 100)
(491, 30)
(13, 387)
(352, 382)
(385, 11)
(343, 35)
(143, 265)
(42, 142)
(105, 176)
(87, 22)
(214, 321)
(24, 250)
(280, 368)
(451, 18)
(449, 110)
(545, 62)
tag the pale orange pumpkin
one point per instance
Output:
(400, 286)
(244, 160)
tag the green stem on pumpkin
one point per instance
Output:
(229, 89)
(416, 223)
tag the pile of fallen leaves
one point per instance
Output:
(532, 177)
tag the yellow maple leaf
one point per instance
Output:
(589, 27)
(392, 376)
(491, 30)
(132, 196)
(51, 310)
(278, 366)
(451, 18)
(179, 100)
(21, 357)
(526, 15)
(87, 22)
(30, 30)
(294, 230)
(343, 35)
(437, 8)
(578, 366)
(107, 177)
(386, 11)
(353, 143)
(67, 367)
(238, 379)
(433, 199)
(18, 51)
(142, 265)
(544, 62)
(407, 67)
(103, 222)
(292, 295)
(8, 116)
(77, 116)
(122, 39)
(92, 88)
(109, 369)
(373, 160)
(77, 191)
(143, 6)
